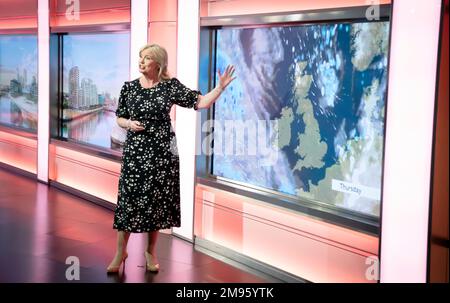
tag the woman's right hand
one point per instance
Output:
(135, 126)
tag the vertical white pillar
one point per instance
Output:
(186, 119)
(43, 90)
(139, 33)
(409, 134)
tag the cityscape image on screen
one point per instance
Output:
(95, 67)
(325, 86)
(18, 81)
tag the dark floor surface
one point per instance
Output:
(41, 226)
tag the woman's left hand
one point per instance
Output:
(226, 77)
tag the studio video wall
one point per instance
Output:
(18, 81)
(92, 69)
(94, 66)
(323, 88)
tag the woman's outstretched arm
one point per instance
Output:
(207, 100)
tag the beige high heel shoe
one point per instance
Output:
(115, 269)
(150, 266)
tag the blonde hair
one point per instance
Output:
(159, 55)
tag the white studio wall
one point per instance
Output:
(43, 90)
(409, 134)
(139, 33)
(186, 119)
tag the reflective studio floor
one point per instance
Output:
(41, 226)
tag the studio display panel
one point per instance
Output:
(18, 81)
(304, 121)
(94, 69)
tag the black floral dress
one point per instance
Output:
(149, 182)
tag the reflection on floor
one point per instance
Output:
(41, 226)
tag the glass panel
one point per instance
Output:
(18, 81)
(95, 67)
